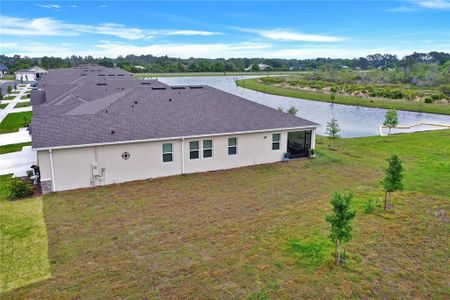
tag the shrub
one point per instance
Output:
(19, 188)
(445, 89)
(369, 206)
(428, 99)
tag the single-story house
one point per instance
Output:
(31, 74)
(104, 127)
(3, 70)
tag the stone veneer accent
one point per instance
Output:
(46, 187)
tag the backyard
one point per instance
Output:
(257, 232)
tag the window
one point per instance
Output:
(167, 153)
(194, 150)
(232, 146)
(207, 148)
(276, 141)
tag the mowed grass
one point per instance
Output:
(23, 104)
(256, 85)
(14, 121)
(257, 232)
(23, 241)
(13, 147)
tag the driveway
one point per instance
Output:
(17, 163)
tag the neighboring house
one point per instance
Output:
(31, 74)
(94, 126)
(3, 70)
(261, 67)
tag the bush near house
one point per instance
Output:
(19, 188)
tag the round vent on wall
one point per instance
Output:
(126, 155)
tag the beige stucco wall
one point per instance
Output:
(73, 167)
(43, 160)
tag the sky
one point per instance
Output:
(213, 29)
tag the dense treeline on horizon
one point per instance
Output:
(425, 66)
(150, 63)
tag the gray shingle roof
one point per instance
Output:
(141, 112)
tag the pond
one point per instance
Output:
(354, 121)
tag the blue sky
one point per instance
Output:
(299, 29)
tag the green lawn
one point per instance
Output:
(23, 104)
(23, 240)
(256, 232)
(256, 85)
(14, 121)
(9, 97)
(2, 106)
(13, 147)
(25, 97)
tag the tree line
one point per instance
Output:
(155, 64)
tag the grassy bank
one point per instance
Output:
(253, 84)
(23, 240)
(23, 104)
(13, 147)
(257, 231)
(12, 122)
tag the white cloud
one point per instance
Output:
(433, 4)
(416, 5)
(52, 27)
(289, 35)
(50, 6)
(74, 6)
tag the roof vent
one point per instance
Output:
(102, 83)
(101, 75)
(170, 99)
(196, 86)
(177, 87)
(158, 88)
(112, 132)
(148, 83)
(135, 102)
(120, 75)
(83, 74)
(111, 75)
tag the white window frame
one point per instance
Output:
(171, 152)
(235, 146)
(195, 150)
(212, 149)
(276, 142)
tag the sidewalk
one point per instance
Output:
(12, 103)
(22, 136)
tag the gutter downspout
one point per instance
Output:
(52, 170)
(182, 156)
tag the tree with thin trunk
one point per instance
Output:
(333, 131)
(391, 119)
(340, 220)
(392, 182)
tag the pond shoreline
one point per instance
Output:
(253, 84)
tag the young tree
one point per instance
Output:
(333, 131)
(292, 110)
(340, 220)
(392, 182)
(391, 119)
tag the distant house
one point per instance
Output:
(3, 70)
(31, 74)
(93, 126)
(261, 67)
(140, 67)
